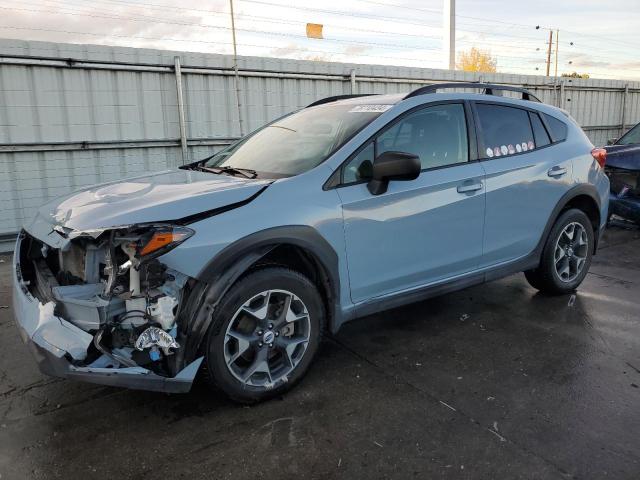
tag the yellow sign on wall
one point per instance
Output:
(314, 30)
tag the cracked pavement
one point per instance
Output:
(496, 381)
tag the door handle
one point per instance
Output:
(556, 171)
(469, 187)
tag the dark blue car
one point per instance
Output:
(623, 169)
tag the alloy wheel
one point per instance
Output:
(571, 251)
(267, 338)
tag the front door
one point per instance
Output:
(422, 231)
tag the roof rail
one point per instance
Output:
(335, 98)
(487, 89)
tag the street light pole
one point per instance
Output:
(557, 46)
(549, 52)
(235, 69)
(449, 32)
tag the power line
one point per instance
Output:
(334, 12)
(389, 46)
(184, 40)
(252, 17)
(419, 9)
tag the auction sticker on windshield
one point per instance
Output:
(370, 108)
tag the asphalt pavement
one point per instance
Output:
(493, 382)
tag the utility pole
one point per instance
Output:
(549, 52)
(557, 46)
(235, 69)
(449, 33)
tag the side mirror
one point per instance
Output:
(393, 166)
(612, 141)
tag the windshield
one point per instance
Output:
(297, 142)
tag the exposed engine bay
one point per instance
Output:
(111, 285)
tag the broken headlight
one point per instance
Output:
(156, 240)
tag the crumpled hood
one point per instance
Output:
(158, 197)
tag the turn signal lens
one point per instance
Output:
(161, 239)
(600, 154)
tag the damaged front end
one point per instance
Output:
(99, 306)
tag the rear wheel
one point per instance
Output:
(264, 334)
(566, 256)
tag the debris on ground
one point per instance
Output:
(447, 405)
(502, 439)
(572, 300)
(378, 444)
(464, 317)
(4, 306)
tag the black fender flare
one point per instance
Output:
(226, 267)
(584, 189)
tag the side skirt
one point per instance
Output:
(388, 302)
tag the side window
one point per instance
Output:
(505, 130)
(539, 132)
(437, 134)
(557, 128)
(359, 167)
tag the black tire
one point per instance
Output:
(269, 278)
(546, 278)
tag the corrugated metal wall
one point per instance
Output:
(74, 115)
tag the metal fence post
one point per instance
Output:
(623, 108)
(183, 129)
(354, 87)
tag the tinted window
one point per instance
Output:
(557, 128)
(539, 132)
(438, 135)
(505, 130)
(631, 137)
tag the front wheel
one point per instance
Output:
(264, 334)
(566, 256)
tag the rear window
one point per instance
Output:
(557, 128)
(539, 132)
(504, 130)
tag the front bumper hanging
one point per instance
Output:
(57, 345)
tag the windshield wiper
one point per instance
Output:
(229, 170)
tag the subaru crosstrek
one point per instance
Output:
(235, 265)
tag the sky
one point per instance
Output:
(597, 37)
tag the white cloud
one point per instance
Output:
(363, 31)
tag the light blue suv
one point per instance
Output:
(237, 264)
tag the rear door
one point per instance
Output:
(421, 231)
(525, 177)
